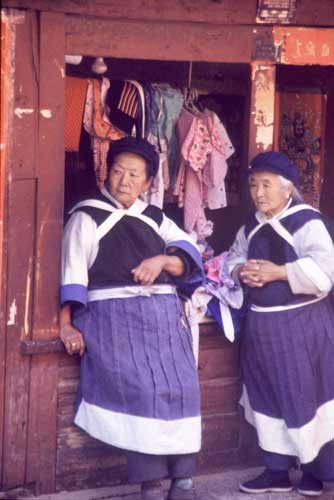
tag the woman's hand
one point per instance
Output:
(72, 339)
(257, 273)
(149, 269)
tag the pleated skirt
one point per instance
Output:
(287, 361)
(139, 386)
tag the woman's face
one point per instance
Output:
(128, 178)
(268, 192)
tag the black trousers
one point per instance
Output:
(143, 467)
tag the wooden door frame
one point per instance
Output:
(34, 186)
(54, 34)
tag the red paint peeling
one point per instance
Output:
(301, 46)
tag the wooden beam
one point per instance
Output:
(309, 13)
(226, 12)
(41, 461)
(160, 41)
(213, 12)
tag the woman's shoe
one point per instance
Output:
(310, 486)
(152, 490)
(176, 493)
(268, 482)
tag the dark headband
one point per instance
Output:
(276, 163)
(140, 147)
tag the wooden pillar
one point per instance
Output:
(42, 436)
(7, 46)
(20, 208)
(261, 126)
(327, 199)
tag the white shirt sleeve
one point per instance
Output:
(169, 232)
(313, 272)
(237, 254)
(79, 249)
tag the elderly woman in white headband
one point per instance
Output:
(284, 259)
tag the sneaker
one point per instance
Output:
(152, 491)
(268, 481)
(310, 486)
(176, 493)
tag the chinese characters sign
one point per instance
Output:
(305, 45)
(275, 11)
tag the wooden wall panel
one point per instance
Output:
(20, 240)
(23, 162)
(7, 48)
(41, 462)
(20, 258)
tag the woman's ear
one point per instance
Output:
(147, 184)
(289, 191)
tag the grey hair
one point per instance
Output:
(296, 195)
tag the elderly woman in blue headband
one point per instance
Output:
(123, 264)
(283, 257)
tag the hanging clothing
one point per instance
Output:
(74, 103)
(288, 341)
(123, 105)
(167, 106)
(215, 170)
(203, 168)
(139, 387)
(99, 127)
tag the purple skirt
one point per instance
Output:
(139, 386)
(287, 361)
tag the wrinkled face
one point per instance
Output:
(268, 192)
(128, 178)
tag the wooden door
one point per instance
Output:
(34, 204)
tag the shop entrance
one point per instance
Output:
(223, 89)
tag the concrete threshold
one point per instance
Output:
(218, 486)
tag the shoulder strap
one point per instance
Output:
(103, 205)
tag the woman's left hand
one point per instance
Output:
(149, 269)
(258, 272)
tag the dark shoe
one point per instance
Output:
(152, 490)
(176, 493)
(310, 486)
(268, 481)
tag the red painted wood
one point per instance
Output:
(20, 206)
(7, 44)
(300, 46)
(172, 41)
(41, 462)
(226, 12)
(20, 256)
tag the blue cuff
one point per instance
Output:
(187, 285)
(73, 293)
